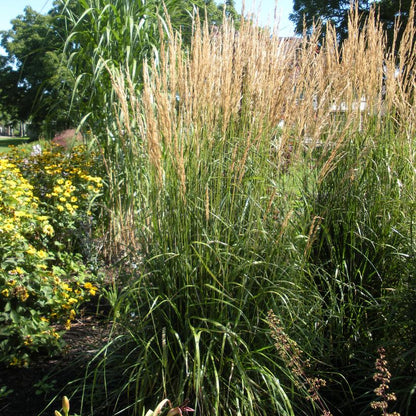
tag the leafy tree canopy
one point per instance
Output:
(306, 12)
(34, 80)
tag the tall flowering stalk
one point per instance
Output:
(383, 376)
(291, 354)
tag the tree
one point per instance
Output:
(34, 79)
(306, 12)
(122, 34)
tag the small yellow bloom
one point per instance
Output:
(48, 229)
(5, 293)
(66, 287)
(42, 254)
(60, 181)
(8, 227)
(41, 266)
(31, 250)
(60, 208)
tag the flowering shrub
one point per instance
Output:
(42, 282)
(65, 187)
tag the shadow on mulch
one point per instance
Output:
(34, 389)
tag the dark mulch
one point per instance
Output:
(39, 388)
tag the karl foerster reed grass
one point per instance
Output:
(234, 88)
(214, 132)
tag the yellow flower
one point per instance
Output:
(66, 287)
(16, 270)
(31, 250)
(21, 214)
(8, 227)
(60, 208)
(72, 314)
(42, 254)
(5, 293)
(68, 324)
(60, 181)
(88, 285)
(48, 229)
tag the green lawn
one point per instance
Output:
(6, 141)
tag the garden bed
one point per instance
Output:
(41, 386)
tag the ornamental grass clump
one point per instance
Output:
(41, 285)
(260, 173)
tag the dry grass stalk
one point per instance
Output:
(232, 89)
(313, 232)
(229, 74)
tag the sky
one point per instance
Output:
(264, 9)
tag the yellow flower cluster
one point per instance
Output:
(18, 206)
(63, 191)
(40, 291)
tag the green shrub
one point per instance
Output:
(41, 284)
(66, 187)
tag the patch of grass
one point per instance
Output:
(6, 141)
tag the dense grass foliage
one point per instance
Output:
(258, 213)
(251, 173)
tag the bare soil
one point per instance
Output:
(39, 389)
